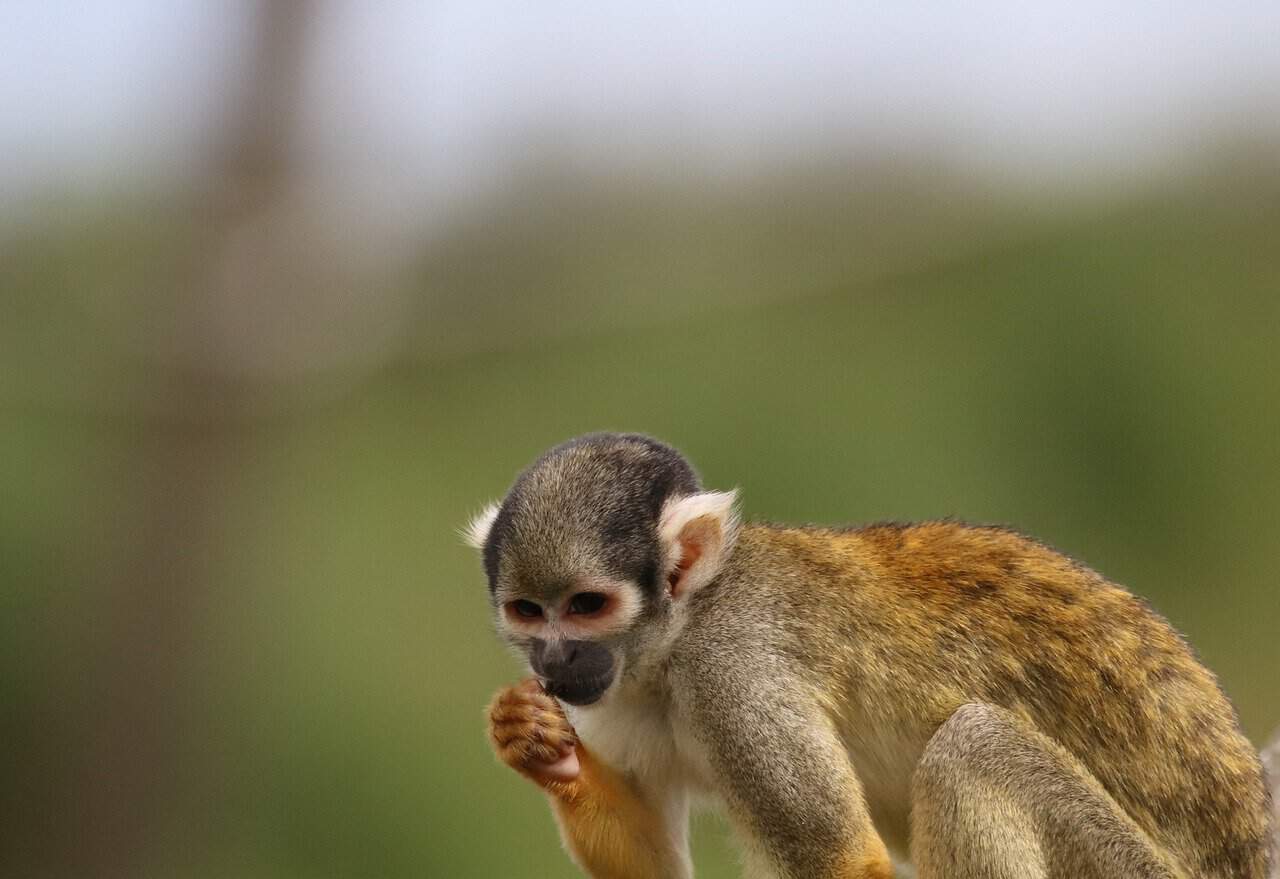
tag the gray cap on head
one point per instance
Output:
(604, 489)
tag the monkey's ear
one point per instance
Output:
(477, 530)
(697, 533)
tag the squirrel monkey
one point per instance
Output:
(963, 697)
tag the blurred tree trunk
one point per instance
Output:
(116, 804)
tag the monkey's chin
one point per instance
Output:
(578, 692)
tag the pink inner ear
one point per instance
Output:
(692, 540)
(688, 555)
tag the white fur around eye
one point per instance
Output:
(625, 606)
(477, 530)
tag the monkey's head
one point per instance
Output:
(593, 555)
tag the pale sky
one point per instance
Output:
(446, 95)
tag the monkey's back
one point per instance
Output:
(913, 621)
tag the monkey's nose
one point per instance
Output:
(560, 655)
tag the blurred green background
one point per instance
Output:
(240, 633)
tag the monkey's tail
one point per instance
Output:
(1271, 764)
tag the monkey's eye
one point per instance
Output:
(588, 602)
(526, 609)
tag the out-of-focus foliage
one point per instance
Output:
(1104, 375)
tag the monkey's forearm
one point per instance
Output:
(609, 828)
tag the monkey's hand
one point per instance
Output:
(530, 734)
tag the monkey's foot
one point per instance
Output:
(530, 734)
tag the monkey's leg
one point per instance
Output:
(993, 798)
(611, 830)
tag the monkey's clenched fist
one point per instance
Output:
(530, 734)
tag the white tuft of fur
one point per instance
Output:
(477, 530)
(679, 512)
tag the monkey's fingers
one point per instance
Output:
(521, 743)
(528, 693)
(530, 733)
(544, 731)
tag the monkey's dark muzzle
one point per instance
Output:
(578, 691)
(578, 672)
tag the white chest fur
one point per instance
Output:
(640, 735)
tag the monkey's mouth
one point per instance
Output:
(578, 691)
